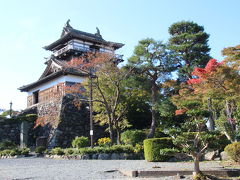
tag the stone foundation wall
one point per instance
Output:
(63, 121)
(10, 131)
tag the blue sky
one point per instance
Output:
(28, 25)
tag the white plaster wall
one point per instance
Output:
(70, 78)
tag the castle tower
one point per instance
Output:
(60, 123)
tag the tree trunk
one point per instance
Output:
(154, 103)
(211, 118)
(196, 169)
(118, 136)
(111, 130)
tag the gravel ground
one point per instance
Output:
(53, 169)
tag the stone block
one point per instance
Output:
(103, 156)
(95, 156)
(224, 156)
(210, 155)
(115, 156)
(85, 156)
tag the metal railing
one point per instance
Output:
(81, 49)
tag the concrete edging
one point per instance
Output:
(221, 173)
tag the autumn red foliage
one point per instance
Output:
(39, 122)
(180, 111)
(89, 60)
(202, 73)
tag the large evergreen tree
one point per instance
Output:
(190, 44)
(152, 60)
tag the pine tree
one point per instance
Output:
(190, 44)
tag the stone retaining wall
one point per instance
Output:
(63, 121)
(10, 130)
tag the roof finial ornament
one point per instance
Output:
(67, 25)
(98, 32)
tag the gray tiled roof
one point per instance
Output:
(70, 33)
(45, 78)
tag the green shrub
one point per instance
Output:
(133, 137)
(122, 149)
(25, 151)
(69, 151)
(106, 141)
(80, 142)
(5, 152)
(14, 152)
(7, 145)
(159, 133)
(200, 176)
(113, 149)
(138, 149)
(168, 151)
(47, 151)
(57, 151)
(27, 117)
(152, 148)
(40, 149)
(221, 142)
(233, 150)
(10, 152)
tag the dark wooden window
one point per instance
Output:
(35, 97)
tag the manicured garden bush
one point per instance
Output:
(153, 146)
(89, 151)
(25, 151)
(10, 152)
(40, 149)
(15, 151)
(133, 137)
(233, 150)
(113, 149)
(80, 142)
(5, 152)
(69, 151)
(57, 151)
(121, 149)
(168, 151)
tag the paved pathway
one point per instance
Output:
(52, 169)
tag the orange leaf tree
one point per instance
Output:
(108, 89)
(219, 84)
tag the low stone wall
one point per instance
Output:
(10, 130)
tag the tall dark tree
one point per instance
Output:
(152, 60)
(138, 110)
(190, 44)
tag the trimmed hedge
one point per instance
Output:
(57, 151)
(153, 146)
(233, 150)
(15, 151)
